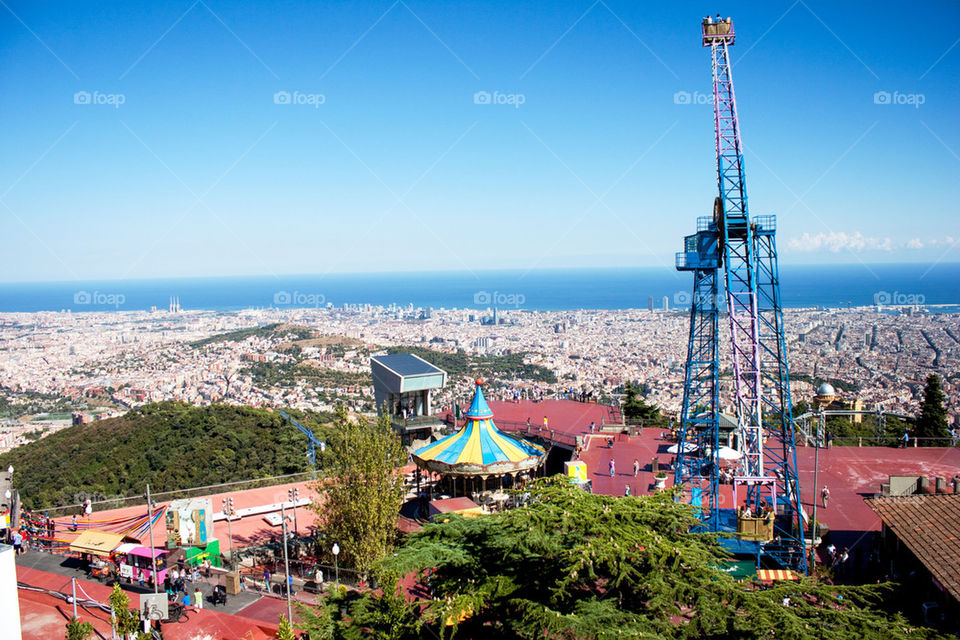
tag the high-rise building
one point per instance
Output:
(666, 303)
(650, 303)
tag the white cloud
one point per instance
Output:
(838, 241)
(915, 243)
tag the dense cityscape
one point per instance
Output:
(101, 364)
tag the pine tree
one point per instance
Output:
(932, 422)
(78, 629)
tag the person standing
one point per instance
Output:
(825, 495)
(612, 468)
(198, 598)
(626, 490)
(18, 542)
(636, 467)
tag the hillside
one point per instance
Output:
(462, 364)
(170, 445)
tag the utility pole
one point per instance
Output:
(228, 511)
(73, 585)
(813, 522)
(153, 551)
(286, 561)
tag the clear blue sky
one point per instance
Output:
(200, 172)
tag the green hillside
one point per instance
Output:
(171, 445)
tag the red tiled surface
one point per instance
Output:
(45, 616)
(929, 525)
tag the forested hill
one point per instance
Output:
(171, 445)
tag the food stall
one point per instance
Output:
(136, 563)
(98, 548)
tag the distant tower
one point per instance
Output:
(650, 303)
(666, 303)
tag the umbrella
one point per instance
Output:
(726, 453)
(687, 448)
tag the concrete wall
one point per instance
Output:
(9, 597)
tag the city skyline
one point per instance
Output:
(206, 140)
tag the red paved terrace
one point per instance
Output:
(851, 473)
(44, 616)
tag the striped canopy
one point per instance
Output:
(479, 448)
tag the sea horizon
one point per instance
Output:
(546, 289)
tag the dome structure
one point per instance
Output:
(826, 389)
(479, 448)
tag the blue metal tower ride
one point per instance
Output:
(746, 250)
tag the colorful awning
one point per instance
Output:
(479, 448)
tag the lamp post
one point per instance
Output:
(336, 566)
(294, 496)
(286, 561)
(228, 511)
(153, 551)
(814, 528)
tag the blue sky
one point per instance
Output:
(383, 159)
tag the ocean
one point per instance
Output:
(554, 289)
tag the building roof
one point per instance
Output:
(407, 364)
(479, 448)
(99, 543)
(826, 389)
(929, 525)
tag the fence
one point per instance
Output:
(117, 502)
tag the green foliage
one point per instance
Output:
(275, 330)
(636, 411)
(285, 631)
(125, 620)
(170, 445)
(461, 364)
(288, 374)
(932, 422)
(78, 629)
(360, 507)
(577, 565)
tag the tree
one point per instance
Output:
(359, 506)
(932, 422)
(126, 621)
(285, 631)
(78, 629)
(637, 411)
(576, 565)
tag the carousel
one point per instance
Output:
(465, 460)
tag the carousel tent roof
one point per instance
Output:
(479, 447)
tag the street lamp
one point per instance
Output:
(286, 561)
(228, 511)
(294, 496)
(336, 566)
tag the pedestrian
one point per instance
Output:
(593, 426)
(266, 579)
(636, 467)
(825, 494)
(290, 584)
(18, 542)
(139, 577)
(318, 578)
(626, 490)
(198, 598)
(612, 468)
(73, 523)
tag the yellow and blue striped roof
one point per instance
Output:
(479, 443)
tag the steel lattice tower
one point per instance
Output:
(746, 250)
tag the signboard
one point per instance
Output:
(190, 522)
